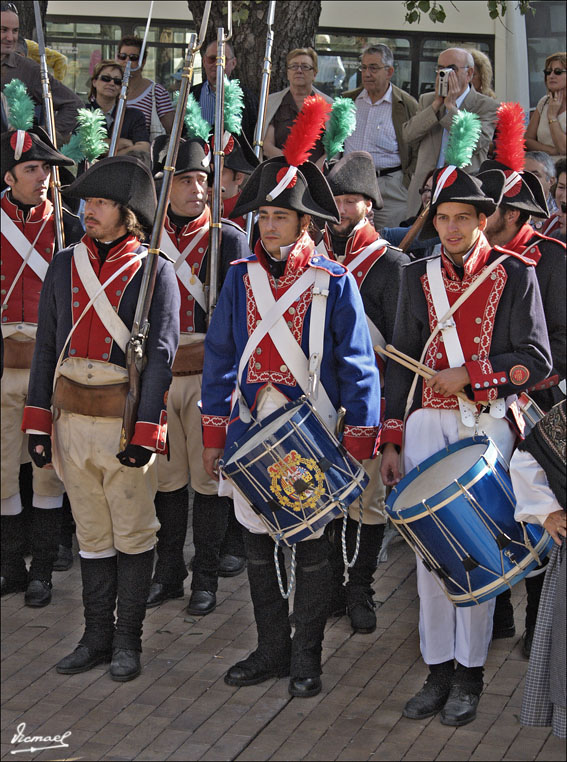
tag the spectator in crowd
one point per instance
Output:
(105, 89)
(381, 111)
(205, 92)
(428, 131)
(149, 97)
(483, 76)
(284, 105)
(417, 249)
(560, 198)
(15, 66)
(546, 129)
(56, 61)
(541, 165)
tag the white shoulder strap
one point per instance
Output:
(182, 269)
(21, 244)
(379, 243)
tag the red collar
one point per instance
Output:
(192, 226)
(519, 242)
(127, 246)
(36, 213)
(475, 261)
(298, 257)
(358, 240)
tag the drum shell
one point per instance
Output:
(463, 521)
(303, 439)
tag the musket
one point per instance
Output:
(119, 116)
(264, 90)
(212, 281)
(414, 230)
(50, 126)
(135, 351)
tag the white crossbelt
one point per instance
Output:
(21, 244)
(272, 323)
(375, 333)
(452, 342)
(184, 272)
(101, 303)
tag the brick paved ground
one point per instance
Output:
(180, 708)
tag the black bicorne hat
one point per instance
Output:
(355, 173)
(239, 156)
(453, 185)
(30, 145)
(193, 155)
(123, 179)
(522, 190)
(275, 183)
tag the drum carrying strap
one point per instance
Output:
(272, 323)
(446, 324)
(184, 272)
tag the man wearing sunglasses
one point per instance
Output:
(15, 66)
(428, 131)
(205, 93)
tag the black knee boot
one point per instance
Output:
(172, 510)
(64, 559)
(503, 618)
(533, 589)
(210, 519)
(272, 655)
(337, 597)
(13, 566)
(134, 576)
(99, 601)
(232, 559)
(310, 608)
(359, 592)
(46, 526)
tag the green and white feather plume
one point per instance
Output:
(341, 124)
(20, 105)
(197, 127)
(463, 137)
(89, 142)
(233, 106)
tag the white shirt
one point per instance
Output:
(375, 130)
(445, 138)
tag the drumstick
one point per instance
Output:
(408, 362)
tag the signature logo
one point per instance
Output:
(46, 742)
(297, 482)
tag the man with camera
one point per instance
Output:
(428, 131)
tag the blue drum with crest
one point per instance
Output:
(456, 510)
(295, 474)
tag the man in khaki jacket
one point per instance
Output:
(427, 132)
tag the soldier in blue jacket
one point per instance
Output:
(86, 313)
(286, 197)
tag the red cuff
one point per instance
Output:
(547, 383)
(484, 379)
(360, 441)
(214, 430)
(392, 431)
(37, 418)
(152, 435)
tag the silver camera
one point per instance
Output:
(443, 86)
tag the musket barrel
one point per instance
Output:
(119, 116)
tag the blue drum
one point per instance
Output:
(294, 472)
(456, 510)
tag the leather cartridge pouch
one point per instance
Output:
(189, 359)
(98, 401)
(18, 354)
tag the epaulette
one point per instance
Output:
(244, 260)
(501, 250)
(334, 268)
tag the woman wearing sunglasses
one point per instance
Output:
(546, 130)
(149, 97)
(105, 89)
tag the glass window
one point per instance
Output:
(545, 32)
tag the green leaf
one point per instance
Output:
(424, 5)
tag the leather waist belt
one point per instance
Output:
(18, 354)
(189, 359)
(388, 171)
(98, 401)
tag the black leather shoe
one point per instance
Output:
(201, 602)
(160, 593)
(231, 566)
(428, 700)
(361, 611)
(125, 664)
(252, 671)
(527, 639)
(460, 707)
(81, 660)
(38, 593)
(8, 585)
(304, 687)
(64, 559)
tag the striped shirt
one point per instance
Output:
(144, 102)
(375, 131)
(207, 101)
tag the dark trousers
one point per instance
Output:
(211, 522)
